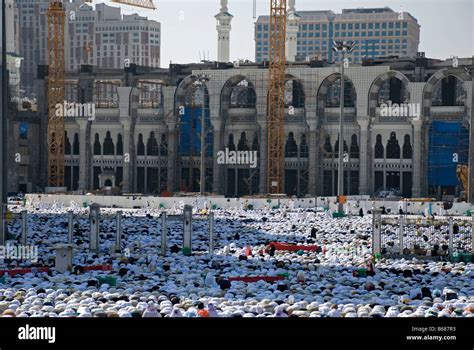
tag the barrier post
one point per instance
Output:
(63, 261)
(70, 216)
(118, 232)
(211, 233)
(450, 244)
(376, 231)
(188, 227)
(164, 231)
(94, 220)
(24, 227)
(401, 229)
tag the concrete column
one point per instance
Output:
(188, 227)
(450, 244)
(417, 146)
(127, 157)
(24, 227)
(118, 232)
(211, 233)
(263, 161)
(401, 229)
(83, 154)
(363, 157)
(217, 168)
(63, 261)
(94, 220)
(376, 231)
(70, 227)
(313, 144)
(125, 95)
(164, 232)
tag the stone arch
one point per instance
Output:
(324, 88)
(295, 95)
(435, 79)
(377, 85)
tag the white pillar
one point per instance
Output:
(94, 220)
(363, 157)
(63, 261)
(417, 144)
(376, 231)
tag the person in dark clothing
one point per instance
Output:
(223, 283)
(361, 212)
(313, 232)
(271, 249)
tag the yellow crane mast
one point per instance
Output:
(276, 97)
(56, 72)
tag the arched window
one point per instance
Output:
(243, 95)
(336, 148)
(449, 92)
(243, 144)
(152, 145)
(119, 145)
(108, 145)
(304, 150)
(393, 90)
(75, 145)
(393, 148)
(328, 148)
(231, 144)
(67, 144)
(291, 148)
(407, 149)
(294, 94)
(164, 146)
(140, 146)
(354, 147)
(379, 147)
(97, 146)
(334, 94)
(255, 145)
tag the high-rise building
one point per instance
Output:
(101, 37)
(378, 32)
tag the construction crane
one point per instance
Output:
(56, 73)
(276, 97)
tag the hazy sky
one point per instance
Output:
(189, 26)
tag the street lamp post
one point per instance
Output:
(201, 80)
(343, 47)
(3, 127)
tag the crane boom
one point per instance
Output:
(276, 96)
(146, 4)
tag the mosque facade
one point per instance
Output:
(407, 124)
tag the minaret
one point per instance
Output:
(292, 26)
(223, 33)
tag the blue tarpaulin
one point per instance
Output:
(445, 140)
